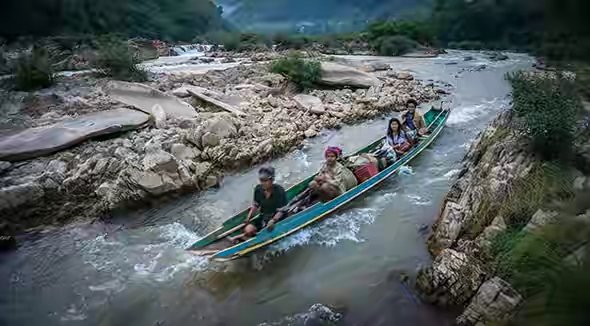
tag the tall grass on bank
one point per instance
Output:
(543, 267)
(115, 60)
(34, 70)
(301, 72)
(544, 182)
(548, 104)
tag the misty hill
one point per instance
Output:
(317, 15)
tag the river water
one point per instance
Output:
(133, 270)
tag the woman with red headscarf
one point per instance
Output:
(333, 179)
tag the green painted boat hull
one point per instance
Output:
(435, 119)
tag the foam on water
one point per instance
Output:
(344, 226)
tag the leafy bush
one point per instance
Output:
(467, 45)
(295, 42)
(34, 70)
(417, 31)
(549, 105)
(115, 60)
(395, 45)
(297, 70)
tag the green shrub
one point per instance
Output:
(556, 289)
(395, 45)
(115, 60)
(34, 70)
(549, 106)
(467, 45)
(297, 70)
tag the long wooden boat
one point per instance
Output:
(216, 245)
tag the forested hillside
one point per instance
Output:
(164, 19)
(329, 15)
(553, 27)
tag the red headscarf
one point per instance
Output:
(334, 150)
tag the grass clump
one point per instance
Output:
(34, 70)
(297, 70)
(115, 60)
(539, 265)
(544, 182)
(549, 105)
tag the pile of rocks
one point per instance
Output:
(185, 153)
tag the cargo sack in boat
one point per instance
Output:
(366, 172)
(349, 179)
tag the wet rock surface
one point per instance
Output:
(495, 302)
(461, 237)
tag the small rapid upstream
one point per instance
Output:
(134, 270)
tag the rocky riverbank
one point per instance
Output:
(483, 205)
(175, 153)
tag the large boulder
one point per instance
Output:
(143, 49)
(452, 280)
(222, 126)
(145, 98)
(540, 219)
(494, 304)
(34, 142)
(448, 227)
(18, 195)
(337, 75)
(309, 103)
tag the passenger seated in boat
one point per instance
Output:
(395, 144)
(333, 179)
(269, 199)
(413, 122)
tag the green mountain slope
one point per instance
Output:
(317, 15)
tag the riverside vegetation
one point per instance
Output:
(511, 240)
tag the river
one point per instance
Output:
(133, 270)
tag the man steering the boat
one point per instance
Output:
(269, 199)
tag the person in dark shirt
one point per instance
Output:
(269, 199)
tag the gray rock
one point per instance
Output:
(495, 303)
(4, 166)
(452, 279)
(540, 219)
(34, 142)
(210, 140)
(159, 116)
(14, 196)
(580, 183)
(222, 126)
(403, 75)
(183, 152)
(310, 133)
(160, 161)
(211, 181)
(145, 98)
(376, 66)
(338, 75)
(309, 103)
(153, 183)
(194, 136)
(448, 227)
